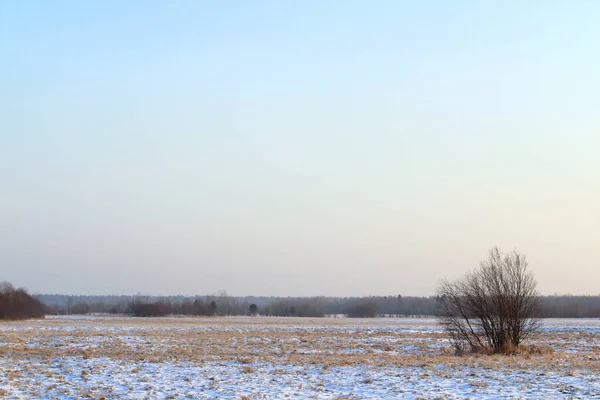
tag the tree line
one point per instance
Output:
(221, 304)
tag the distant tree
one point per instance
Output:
(144, 308)
(80, 308)
(253, 309)
(199, 308)
(362, 309)
(492, 308)
(310, 308)
(213, 308)
(224, 303)
(399, 311)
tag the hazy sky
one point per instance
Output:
(296, 147)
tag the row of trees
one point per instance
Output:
(382, 306)
(144, 308)
(569, 307)
(141, 307)
(224, 305)
(18, 304)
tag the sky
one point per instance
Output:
(296, 148)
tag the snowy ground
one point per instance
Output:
(287, 358)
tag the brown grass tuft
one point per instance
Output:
(536, 350)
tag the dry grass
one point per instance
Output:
(527, 350)
(251, 341)
(247, 370)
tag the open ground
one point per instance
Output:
(257, 358)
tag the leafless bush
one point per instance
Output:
(492, 307)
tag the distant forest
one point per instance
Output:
(224, 305)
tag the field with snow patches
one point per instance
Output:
(284, 358)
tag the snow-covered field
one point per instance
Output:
(284, 358)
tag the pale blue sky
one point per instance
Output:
(296, 147)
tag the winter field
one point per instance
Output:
(284, 358)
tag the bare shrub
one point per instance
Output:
(491, 308)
